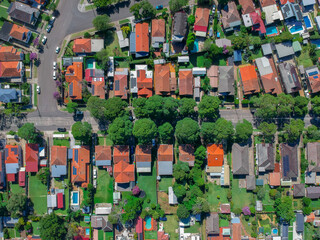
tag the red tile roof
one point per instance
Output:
(10, 69)
(247, 6)
(22, 178)
(285, 1)
(74, 72)
(58, 155)
(75, 90)
(274, 179)
(9, 53)
(158, 28)
(32, 157)
(120, 153)
(314, 82)
(11, 177)
(18, 32)
(142, 37)
(215, 155)
(265, 3)
(164, 79)
(82, 45)
(202, 19)
(139, 225)
(185, 82)
(186, 154)
(13, 154)
(98, 84)
(60, 200)
(258, 24)
(102, 153)
(80, 165)
(144, 84)
(271, 82)
(163, 236)
(249, 79)
(165, 152)
(236, 231)
(143, 153)
(122, 81)
(123, 172)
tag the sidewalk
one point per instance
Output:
(82, 6)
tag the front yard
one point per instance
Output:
(216, 195)
(148, 183)
(61, 142)
(104, 191)
(171, 225)
(38, 195)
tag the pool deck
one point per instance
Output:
(273, 34)
(153, 225)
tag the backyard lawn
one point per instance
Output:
(214, 191)
(108, 235)
(15, 188)
(193, 229)
(165, 183)
(304, 58)
(61, 142)
(148, 183)
(104, 192)
(38, 195)
(100, 235)
(150, 235)
(223, 222)
(66, 203)
(36, 228)
(112, 44)
(315, 204)
(171, 225)
(240, 196)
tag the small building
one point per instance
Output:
(266, 49)
(284, 49)
(116, 197)
(186, 154)
(173, 200)
(52, 201)
(102, 156)
(237, 56)
(299, 190)
(158, 33)
(143, 158)
(102, 208)
(289, 161)
(179, 26)
(9, 54)
(183, 59)
(240, 159)
(299, 222)
(313, 156)
(213, 75)
(141, 81)
(22, 177)
(291, 11)
(313, 192)
(165, 160)
(265, 156)
(60, 200)
(225, 208)
(201, 21)
(121, 153)
(272, 12)
(226, 81)
(11, 95)
(274, 179)
(123, 42)
(12, 32)
(251, 182)
(124, 176)
(58, 161)
(13, 71)
(259, 206)
(296, 46)
(23, 13)
(121, 83)
(212, 225)
(80, 166)
(83, 46)
(13, 161)
(221, 42)
(165, 81)
(199, 71)
(313, 77)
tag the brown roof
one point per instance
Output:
(121, 84)
(236, 231)
(98, 84)
(143, 153)
(231, 15)
(289, 161)
(212, 224)
(274, 179)
(185, 82)
(9, 69)
(158, 28)
(164, 79)
(123, 172)
(165, 152)
(313, 192)
(299, 190)
(313, 154)
(247, 6)
(102, 152)
(265, 3)
(82, 45)
(213, 75)
(75, 90)
(202, 18)
(186, 154)
(120, 153)
(314, 82)
(225, 208)
(271, 82)
(9, 53)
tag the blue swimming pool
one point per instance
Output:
(275, 231)
(316, 42)
(307, 21)
(296, 28)
(87, 231)
(90, 63)
(148, 223)
(75, 198)
(195, 46)
(271, 30)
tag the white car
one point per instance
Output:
(94, 173)
(44, 40)
(54, 75)
(38, 89)
(94, 183)
(57, 49)
(54, 65)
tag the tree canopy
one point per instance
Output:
(176, 5)
(143, 9)
(223, 130)
(52, 227)
(17, 204)
(187, 131)
(114, 107)
(72, 106)
(209, 107)
(28, 132)
(120, 130)
(165, 133)
(293, 130)
(243, 131)
(182, 212)
(82, 131)
(284, 209)
(207, 132)
(102, 22)
(144, 131)
(268, 131)
(186, 107)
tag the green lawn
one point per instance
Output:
(104, 191)
(267, 200)
(38, 195)
(100, 235)
(223, 222)
(61, 142)
(290, 236)
(315, 204)
(66, 203)
(101, 141)
(246, 224)
(108, 235)
(165, 183)
(266, 225)
(5, 3)
(214, 191)
(257, 53)
(304, 58)
(200, 61)
(3, 12)
(148, 183)
(15, 188)
(124, 21)
(150, 235)
(240, 196)
(193, 229)
(36, 228)
(112, 44)
(171, 225)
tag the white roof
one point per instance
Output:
(272, 13)
(97, 45)
(200, 71)
(247, 20)
(183, 59)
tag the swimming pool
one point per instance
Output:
(275, 231)
(316, 42)
(90, 63)
(148, 225)
(195, 46)
(307, 21)
(296, 28)
(74, 198)
(272, 30)
(87, 231)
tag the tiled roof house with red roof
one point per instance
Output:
(83, 46)
(80, 166)
(143, 158)
(102, 156)
(13, 161)
(32, 157)
(201, 21)
(158, 32)
(9, 53)
(121, 83)
(249, 79)
(11, 70)
(185, 82)
(121, 153)
(74, 76)
(141, 81)
(186, 154)
(165, 160)
(123, 173)
(165, 81)
(139, 40)
(58, 161)
(98, 87)
(11, 31)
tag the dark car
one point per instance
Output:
(62, 129)
(49, 27)
(159, 7)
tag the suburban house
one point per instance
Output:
(186, 154)
(121, 83)
(249, 79)
(226, 81)
(215, 156)
(32, 157)
(213, 75)
(165, 160)
(2, 171)
(58, 161)
(274, 179)
(268, 75)
(313, 151)
(9, 53)
(313, 76)
(267, 49)
(139, 40)
(291, 11)
(12, 70)
(10, 95)
(102, 156)
(165, 81)
(85, 46)
(92, 74)
(74, 76)
(289, 162)
(179, 26)
(284, 50)
(230, 17)
(185, 82)
(98, 87)
(265, 154)
(22, 177)
(201, 22)
(143, 158)
(23, 13)
(240, 159)
(247, 7)
(271, 11)
(12, 32)
(212, 225)
(289, 76)
(80, 166)
(75, 90)
(13, 161)
(101, 222)
(158, 33)
(313, 192)
(308, 4)
(252, 17)
(299, 190)
(123, 173)
(121, 153)
(141, 81)
(35, 3)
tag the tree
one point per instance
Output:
(237, 211)
(16, 204)
(103, 57)
(182, 212)
(72, 106)
(120, 130)
(170, 108)
(300, 108)
(96, 107)
(306, 210)
(179, 190)
(284, 105)
(205, 2)
(131, 208)
(283, 208)
(176, 5)
(181, 171)
(191, 20)
(200, 156)
(136, 190)
(103, 3)
(102, 22)
(268, 131)
(165, 132)
(306, 201)
(207, 132)
(315, 101)
(200, 206)
(143, 9)
(243, 131)
(52, 227)
(273, 193)
(43, 175)
(187, 131)
(223, 130)
(144, 130)
(81, 131)
(114, 108)
(28, 132)
(209, 107)
(246, 211)
(186, 107)
(139, 107)
(266, 106)
(293, 130)
(190, 40)
(261, 193)
(215, 50)
(240, 42)
(205, 84)
(312, 133)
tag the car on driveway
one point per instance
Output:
(52, 20)
(49, 27)
(57, 50)
(38, 90)
(54, 65)
(44, 40)
(54, 75)
(159, 7)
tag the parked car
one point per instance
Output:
(44, 40)
(54, 65)
(213, 8)
(52, 20)
(210, 32)
(94, 173)
(54, 75)
(38, 90)
(57, 50)
(62, 129)
(95, 183)
(49, 27)
(159, 7)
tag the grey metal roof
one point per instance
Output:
(264, 66)
(240, 159)
(266, 49)
(5, 31)
(58, 170)
(226, 80)
(172, 197)
(291, 10)
(289, 77)
(12, 168)
(310, 177)
(164, 168)
(251, 182)
(132, 42)
(308, 2)
(180, 24)
(313, 192)
(300, 222)
(103, 163)
(51, 201)
(266, 157)
(9, 95)
(23, 12)
(143, 164)
(284, 49)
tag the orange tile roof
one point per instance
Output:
(164, 79)
(236, 231)
(40, 1)
(80, 165)
(9, 69)
(215, 155)
(144, 84)
(9, 53)
(102, 152)
(12, 156)
(186, 154)
(143, 153)
(274, 179)
(82, 45)
(311, 217)
(32, 157)
(120, 153)
(265, 3)
(276, 167)
(247, 6)
(123, 85)
(58, 155)
(249, 79)
(185, 82)
(74, 72)
(142, 37)
(314, 82)
(202, 19)
(158, 28)
(18, 32)
(98, 84)
(123, 172)
(75, 90)
(271, 82)
(165, 152)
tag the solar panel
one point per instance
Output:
(290, 79)
(93, 89)
(117, 85)
(315, 77)
(76, 155)
(138, 73)
(285, 165)
(15, 150)
(313, 73)
(133, 82)
(74, 171)
(71, 89)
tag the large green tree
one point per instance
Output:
(72, 106)
(181, 171)
(244, 130)
(268, 131)
(182, 212)
(96, 107)
(143, 9)
(28, 132)
(103, 57)
(165, 132)
(315, 101)
(284, 209)
(176, 5)
(187, 131)
(300, 108)
(114, 107)
(293, 130)
(52, 227)
(266, 106)
(82, 131)
(284, 105)
(223, 130)
(120, 130)
(139, 105)
(207, 132)
(132, 207)
(209, 107)
(17, 204)
(144, 130)
(102, 22)
(186, 107)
